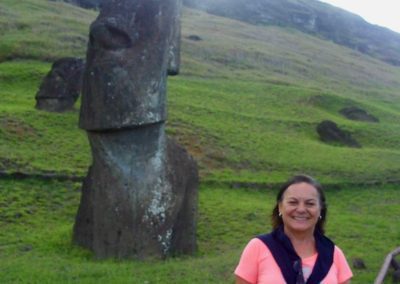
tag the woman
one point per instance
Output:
(296, 252)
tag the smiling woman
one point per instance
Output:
(296, 252)
(300, 210)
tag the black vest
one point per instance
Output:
(290, 263)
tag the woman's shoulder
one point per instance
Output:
(256, 245)
(338, 256)
(257, 242)
(338, 252)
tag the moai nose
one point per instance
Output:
(107, 34)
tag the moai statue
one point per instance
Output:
(62, 85)
(139, 199)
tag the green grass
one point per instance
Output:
(37, 219)
(239, 131)
(245, 105)
(32, 140)
(261, 128)
(42, 29)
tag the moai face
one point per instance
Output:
(133, 45)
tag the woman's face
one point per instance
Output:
(300, 208)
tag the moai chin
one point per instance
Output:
(139, 199)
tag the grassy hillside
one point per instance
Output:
(246, 105)
(36, 223)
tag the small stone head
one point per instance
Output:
(62, 85)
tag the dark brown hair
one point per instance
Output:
(277, 220)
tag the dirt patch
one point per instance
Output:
(6, 164)
(17, 128)
(203, 148)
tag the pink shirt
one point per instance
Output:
(257, 265)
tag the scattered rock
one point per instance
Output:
(194, 38)
(358, 263)
(330, 133)
(62, 85)
(18, 215)
(251, 216)
(355, 113)
(26, 248)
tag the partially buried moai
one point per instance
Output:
(139, 199)
(60, 88)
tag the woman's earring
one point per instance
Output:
(280, 214)
(320, 217)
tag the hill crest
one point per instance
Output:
(312, 17)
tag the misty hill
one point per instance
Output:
(312, 17)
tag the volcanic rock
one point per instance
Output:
(355, 113)
(330, 133)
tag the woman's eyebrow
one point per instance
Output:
(291, 198)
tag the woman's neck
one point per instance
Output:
(303, 243)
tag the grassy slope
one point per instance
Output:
(36, 226)
(246, 105)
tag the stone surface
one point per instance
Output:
(139, 199)
(182, 173)
(138, 205)
(62, 85)
(356, 113)
(329, 132)
(174, 50)
(127, 60)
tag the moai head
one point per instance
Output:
(62, 85)
(133, 45)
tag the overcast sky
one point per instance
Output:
(384, 13)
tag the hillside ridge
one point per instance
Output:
(312, 17)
